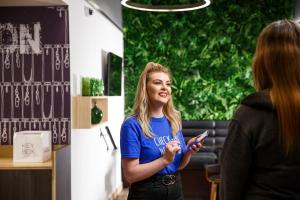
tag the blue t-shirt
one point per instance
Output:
(134, 144)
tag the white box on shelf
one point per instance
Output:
(32, 146)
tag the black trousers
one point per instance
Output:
(157, 187)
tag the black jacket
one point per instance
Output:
(253, 164)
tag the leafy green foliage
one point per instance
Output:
(209, 52)
(92, 86)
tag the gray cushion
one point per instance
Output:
(198, 160)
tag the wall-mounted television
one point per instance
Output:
(112, 75)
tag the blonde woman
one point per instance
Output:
(152, 144)
(261, 155)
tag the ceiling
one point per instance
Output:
(31, 2)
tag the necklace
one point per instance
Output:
(26, 98)
(54, 133)
(17, 58)
(66, 60)
(17, 97)
(57, 60)
(64, 132)
(4, 133)
(7, 61)
(37, 95)
(43, 103)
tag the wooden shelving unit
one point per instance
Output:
(49, 180)
(81, 110)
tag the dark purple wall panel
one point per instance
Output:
(34, 72)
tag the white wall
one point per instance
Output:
(96, 172)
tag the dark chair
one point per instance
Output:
(213, 144)
(208, 157)
(207, 154)
(212, 171)
(212, 175)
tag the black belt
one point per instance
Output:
(165, 179)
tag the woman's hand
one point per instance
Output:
(188, 153)
(171, 149)
(195, 147)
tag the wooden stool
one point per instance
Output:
(212, 174)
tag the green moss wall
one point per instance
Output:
(209, 52)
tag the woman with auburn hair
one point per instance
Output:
(152, 144)
(261, 155)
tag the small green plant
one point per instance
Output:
(96, 87)
(85, 89)
(92, 86)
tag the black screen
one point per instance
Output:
(113, 84)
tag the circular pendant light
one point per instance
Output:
(165, 8)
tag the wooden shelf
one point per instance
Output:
(49, 180)
(7, 163)
(81, 110)
(6, 159)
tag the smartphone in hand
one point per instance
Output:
(198, 140)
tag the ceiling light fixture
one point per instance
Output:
(165, 8)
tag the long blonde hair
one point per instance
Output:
(142, 103)
(276, 66)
